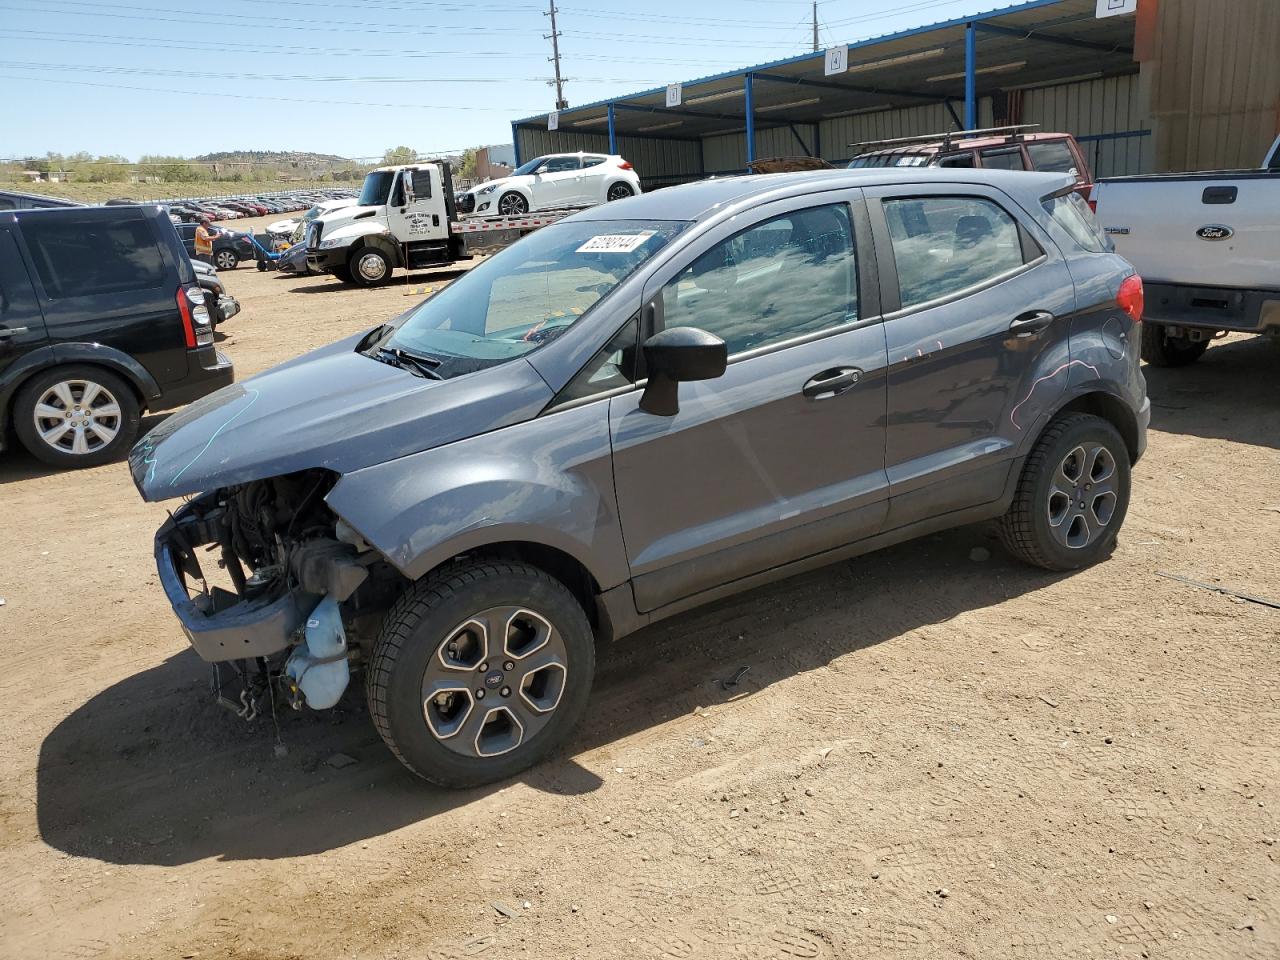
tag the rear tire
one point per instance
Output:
(1161, 350)
(1072, 497)
(369, 267)
(619, 191)
(58, 428)
(481, 670)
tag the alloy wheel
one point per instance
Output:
(619, 191)
(494, 682)
(512, 204)
(225, 260)
(1083, 496)
(77, 417)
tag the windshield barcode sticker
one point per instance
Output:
(615, 242)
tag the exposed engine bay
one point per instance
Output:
(306, 595)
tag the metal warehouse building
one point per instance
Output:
(1181, 84)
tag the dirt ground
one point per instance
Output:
(935, 752)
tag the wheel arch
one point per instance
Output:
(380, 242)
(92, 355)
(1109, 407)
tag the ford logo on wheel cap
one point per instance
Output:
(1214, 231)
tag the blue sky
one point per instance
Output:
(352, 78)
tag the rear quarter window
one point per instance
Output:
(86, 255)
(1070, 212)
(1052, 156)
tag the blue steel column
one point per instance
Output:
(613, 135)
(515, 140)
(751, 120)
(970, 77)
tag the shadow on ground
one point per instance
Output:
(151, 771)
(1228, 394)
(17, 465)
(415, 279)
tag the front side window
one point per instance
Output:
(560, 165)
(613, 367)
(1003, 159)
(787, 277)
(82, 256)
(1052, 156)
(942, 245)
(1074, 216)
(529, 294)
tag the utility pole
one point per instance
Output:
(815, 26)
(561, 102)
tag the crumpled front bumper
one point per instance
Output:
(221, 625)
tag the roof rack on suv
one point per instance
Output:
(1012, 133)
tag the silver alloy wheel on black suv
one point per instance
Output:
(76, 416)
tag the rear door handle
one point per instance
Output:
(11, 331)
(832, 383)
(1029, 324)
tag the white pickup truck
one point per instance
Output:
(1207, 246)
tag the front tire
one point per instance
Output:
(1161, 350)
(76, 416)
(1072, 497)
(225, 259)
(512, 205)
(369, 267)
(481, 670)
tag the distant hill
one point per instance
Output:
(268, 156)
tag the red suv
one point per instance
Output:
(999, 148)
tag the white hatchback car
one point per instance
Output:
(551, 181)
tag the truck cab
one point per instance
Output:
(401, 219)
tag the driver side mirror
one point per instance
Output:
(675, 355)
(406, 186)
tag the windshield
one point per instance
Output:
(376, 187)
(527, 167)
(312, 214)
(528, 294)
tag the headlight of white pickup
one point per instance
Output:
(336, 242)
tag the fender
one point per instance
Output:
(60, 354)
(384, 242)
(424, 509)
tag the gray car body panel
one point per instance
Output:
(746, 483)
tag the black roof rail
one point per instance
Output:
(1013, 132)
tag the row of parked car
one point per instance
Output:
(232, 208)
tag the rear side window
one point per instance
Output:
(957, 160)
(1003, 159)
(1052, 156)
(592, 161)
(1074, 216)
(83, 256)
(943, 245)
(788, 277)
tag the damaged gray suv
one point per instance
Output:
(649, 405)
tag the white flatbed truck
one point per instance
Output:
(405, 217)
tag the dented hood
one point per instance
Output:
(333, 409)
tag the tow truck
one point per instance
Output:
(405, 217)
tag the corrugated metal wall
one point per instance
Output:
(727, 153)
(1214, 74)
(1097, 111)
(658, 161)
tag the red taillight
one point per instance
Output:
(624, 165)
(194, 315)
(1130, 297)
(1093, 205)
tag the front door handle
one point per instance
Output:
(832, 383)
(1029, 324)
(11, 332)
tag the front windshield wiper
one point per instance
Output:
(422, 366)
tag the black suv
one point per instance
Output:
(229, 247)
(101, 318)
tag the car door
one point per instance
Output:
(21, 322)
(557, 183)
(416, 210)
(782, 457)
(978, 304)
